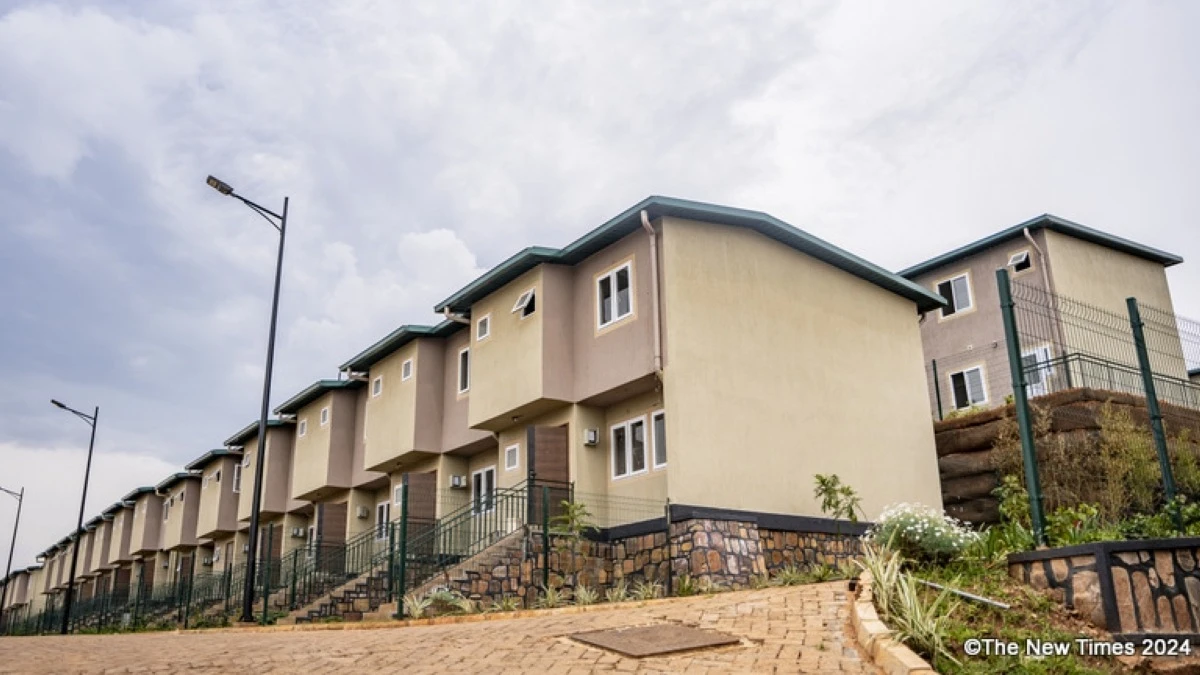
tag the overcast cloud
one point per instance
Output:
(422, 143)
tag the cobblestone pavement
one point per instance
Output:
(800, 629)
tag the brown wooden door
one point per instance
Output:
(422, 496)
(548, 458)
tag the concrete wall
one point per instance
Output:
(100, 546)
(122, 533)
(773, 357)
(147, 524)
(324, 456)
(179, 525)
(218, 502)
(393, 417)
(277, 476)
(506, 367)
(359, 476)
(456, 431)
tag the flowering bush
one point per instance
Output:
(920, 533)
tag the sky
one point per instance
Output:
(421, 143)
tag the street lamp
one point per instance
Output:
(271, 217)
(91, 421)
(20, 497)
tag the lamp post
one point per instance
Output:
(87, 472)
(271, 217)
(20, 497)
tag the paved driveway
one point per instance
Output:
(786, 630)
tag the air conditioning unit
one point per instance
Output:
(591, 436)
(363, 513)
(298, 532)
(458, 481)
(166, 564)
(245, 548)
(207, 561)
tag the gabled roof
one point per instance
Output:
(136, 492)
(173, 479)
(250, 431)
(1047, 222)
(313, 392)
(368, 357)
(656, 207)
(117, 506)
(94, 522)
(203, 460)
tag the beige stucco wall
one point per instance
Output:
(392, 415)
(147, 524)
(101, 542)
(456, 430)
(218, 502)
(122, 533)
(293, 521)
(179, 526)
(506, 367)
(775, 358)
(84, 565)
(323, 457)
(1104, 278)
(359, 475)
(276, 478)
(37, 589)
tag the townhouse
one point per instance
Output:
(101, 540)
(180, 495)
(118, 560)
(220, 472)
(1046, 255)
(277, 510)
(145, 536)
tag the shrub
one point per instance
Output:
(619, 591)
(790, 575)
(837, 500)
(415, 605)
(647, 590)
(552, 597)
(1067, 526)
(921, 533)
(506, 603)
(586, 595)
(685, 586)
(465, 605)
(923, 626)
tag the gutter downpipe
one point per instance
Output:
(654, 292)
(1058, 329)
(456, 318)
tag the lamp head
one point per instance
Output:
(219, 185)
(58, 403)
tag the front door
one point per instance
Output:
(549, 472)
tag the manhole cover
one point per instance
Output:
(654, 640)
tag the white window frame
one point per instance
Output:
(325, 416)
(483, 327)
(521, 306)
(654, 438)
(302, 427)
(381, 523)
(627, 425)
(377, 386)
(1043, 354)
(491, 501)
(1018, 258)
(406, 370)
(958, 311)
(611, 275)
(516, 463)
(461, 371)
(216, 556)
(237, 478)
(310, 546)
(983, 383)
(398, 494)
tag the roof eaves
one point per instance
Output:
(250, 431)
(203, 460)
(174, 478)
(137, 492)
(516, 265)
(395, 340)
(311, 393)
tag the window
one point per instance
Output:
(512, 457)
(302, 428)
(614, 297)
(658, 424)
(377, 386)
(181, 496)
(216, 556)
(629, 448)
(483, 327)
(957, 292)
(382, 517)
(1020, 261)
(217, 476)
(310, 546)
(324, 416)
(464, 371)
(406, 370)
(1038, 370)
(237, 478)
(967, 386)
(204, 484)
(398, 495)
(166, 511)
(483, 490)
(526, 304)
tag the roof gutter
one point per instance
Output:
(654, 290)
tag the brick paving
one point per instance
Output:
(785, 630)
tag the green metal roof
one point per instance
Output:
(117, 506)
(1194, 372)
(250, 431)
(656, 207)
(363, 361)
(313, 392)
(174, 478)
(203, 460)
(1047, 222)
(94, 522)
(135, 493)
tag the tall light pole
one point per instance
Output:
(251, 562)
(20, 497)
(87, 472)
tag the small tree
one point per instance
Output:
(569, 526)
(837, 500)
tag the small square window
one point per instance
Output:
(967, 387)
(526, 304)
(377, 386)
(614, 296)
(398, 495)
(483, 328)
(957, 292)
(324, 416)
(406, 369)
(512, 457)
(302, 428)
(1020, 261)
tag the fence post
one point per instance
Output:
(402, 582)
(391, 564)
(1033, 483)
(191, 586)
(937, 390)
(292, 599)
(669, 559)
(1156, 425)
(545, 538)
(266, 572)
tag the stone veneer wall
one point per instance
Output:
(1131, 587)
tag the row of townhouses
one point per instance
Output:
(705, 355)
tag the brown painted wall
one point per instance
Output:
(218, 501)
(455, 431)
(359, 475)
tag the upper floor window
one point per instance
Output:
(302, 428)
(629, 448)
(324, 415)
(614, 295)
(217, 476)
(1020, 261)
(956, 291)
(406, 369)
(464, 371)
(526, 304)
(658, 424)
(483, 327)
(237, 478)
(377, 386)
(968, 388)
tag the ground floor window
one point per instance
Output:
(968, 387)
(383, 515)
(629, 448)
(483, 489)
